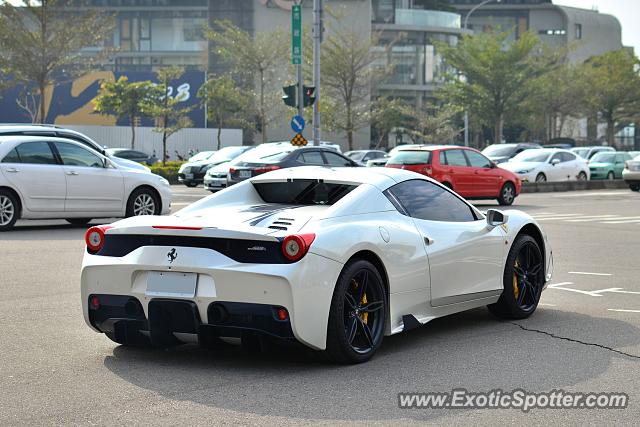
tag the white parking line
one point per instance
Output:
(590, 274)
(610, 193)
(547, 305)
(621, 310)
(591, 218)
(180, 204)
(620, 221)
(561, 286)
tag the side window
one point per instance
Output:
(567, 157)
(443, 158)
(456, 158)
(428, 201)
(37, 153)
(11, 157)
(556, 156)
(477, 160)
(82, 141)
(335, 160)
(311, 158)
(72, 155)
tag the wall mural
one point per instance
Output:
(71, 103)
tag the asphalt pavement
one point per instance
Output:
(584, 337)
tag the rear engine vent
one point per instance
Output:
(281, 223)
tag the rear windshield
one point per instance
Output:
(265, 155)
(302, 192)
(406, 157)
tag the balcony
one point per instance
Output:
(427, 18)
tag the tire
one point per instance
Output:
(507, 194)
(9, 210)
(357, 315)
(78, 221)
(582, 176)
(143, 201)
(523, 280)
(611, 176)
(634, 187)
(191, 184)
(541, 178)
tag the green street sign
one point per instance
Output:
(296, 34)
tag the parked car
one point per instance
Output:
(335, 259)
(631, 173)
(363, 156)
(608, 165)
(202, 155)
(589, 152)
(548, 164)
(57, 131)
(216, 177)
(500, 153)
(58, 178)
(265, 159)
(133, 155)
(192, 173)
(465, 170)
(634, 154)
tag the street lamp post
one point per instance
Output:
(466, 27)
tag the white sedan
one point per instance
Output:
(334, 258)
(548, 165)
(57, 178)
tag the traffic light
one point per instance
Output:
(309, 95)
(289, 96)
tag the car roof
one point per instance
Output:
(434, 147)
(36, 138)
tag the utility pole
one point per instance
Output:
(317, 39)
(296, 26)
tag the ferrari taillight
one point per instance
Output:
(296, 246)
(94, 237)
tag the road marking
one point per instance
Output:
(621, 310)
(561, 286)
(180, 204)
(620, 221)
(547, 305)
(610, 193)
(590, 274)
(591, 218)
(556, 214)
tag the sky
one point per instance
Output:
(627, 12)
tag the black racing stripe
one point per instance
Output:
(240, 250)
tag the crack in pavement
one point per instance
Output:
(524, 328)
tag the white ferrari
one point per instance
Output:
(334, 258)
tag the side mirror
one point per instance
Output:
(555, 161)
(496, 218)
(108, 163)
(493, 165)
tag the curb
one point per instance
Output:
(549, 187)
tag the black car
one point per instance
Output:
(192, 173)
(279, 156)
(500, 153)
(134, 155)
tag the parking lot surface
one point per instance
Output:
(585, 337)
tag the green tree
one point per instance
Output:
(166, 108)
(494, 74)
(125, 99)
(350, 73)
(434, 124)
(225, 103)
(259, 60)
(388, 114)
(42, 42)
(614, 89)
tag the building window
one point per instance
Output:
(578, 31)
(553, 32)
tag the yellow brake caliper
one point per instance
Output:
(363, 316)
(516, 291)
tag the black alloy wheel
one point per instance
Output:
(357, 315)
(523, 280)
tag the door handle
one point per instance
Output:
(13, 170)
(72, 173)
(428, 240)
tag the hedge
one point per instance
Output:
(169, 171)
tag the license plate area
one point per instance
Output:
(244, 174)
(171, 284)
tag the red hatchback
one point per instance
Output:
(463, 169)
